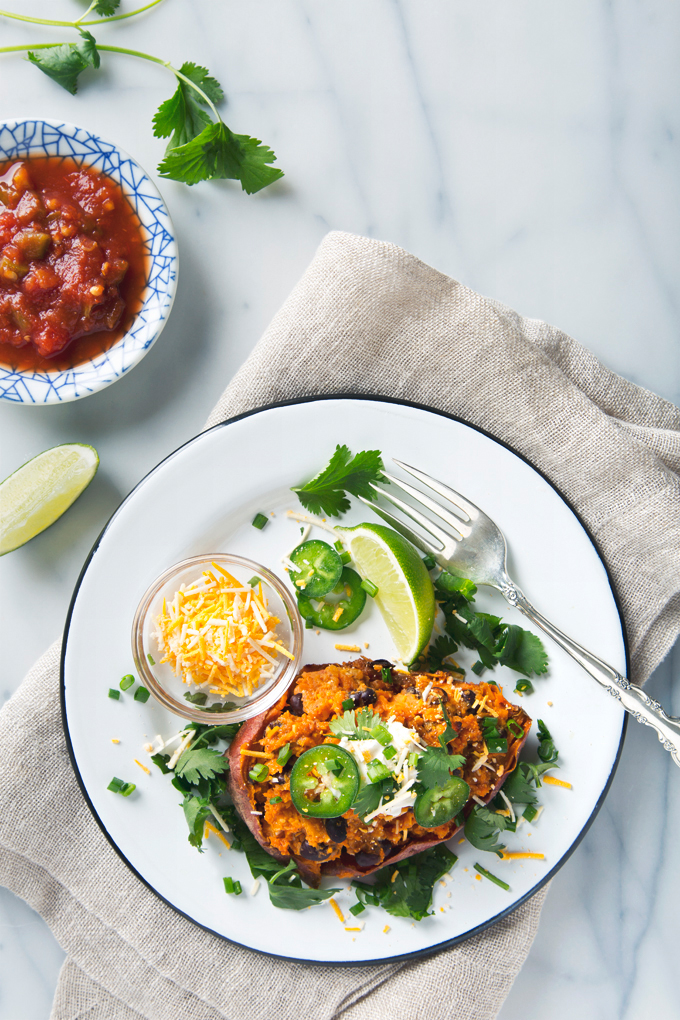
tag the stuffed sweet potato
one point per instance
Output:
(407, 713)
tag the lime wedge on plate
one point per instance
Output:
(41, 490)
(405, 592)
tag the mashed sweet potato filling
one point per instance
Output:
(302, 720)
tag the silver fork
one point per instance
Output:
(472, 546)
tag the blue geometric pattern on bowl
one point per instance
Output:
(25, 138)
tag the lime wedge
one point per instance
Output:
(41, 490)
(405, 592)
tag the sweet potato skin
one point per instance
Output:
(345, 866)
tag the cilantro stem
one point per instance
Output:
(75, 24)
(128, 52)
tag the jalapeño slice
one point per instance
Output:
(320, 568)
(324, 782)
(336, 615)
(442, 803)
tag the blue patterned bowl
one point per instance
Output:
(26, 138)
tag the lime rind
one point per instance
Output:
(405, 595)
(36, 495)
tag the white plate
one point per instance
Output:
(202, 499)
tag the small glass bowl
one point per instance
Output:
(159, 677)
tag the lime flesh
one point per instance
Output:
(405, 591)
(41, 490)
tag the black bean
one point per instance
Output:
(363, 698)
(366, 860)
(315, 853)
(380, 663)
(295, 705)
(337, 829)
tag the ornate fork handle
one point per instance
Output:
(632, 697)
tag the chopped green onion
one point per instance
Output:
(492, 878)
(254, 581)
(113, 693)
(429, 561)
(275, 800)
(347, 705)
(232, 885)
(309, 623)
(495, 743)
(478, 667)
(530, 812)
(386, 675)
(515, 728)
(389, 752)
(412, 759)
(196, 698)
(141, 694)
(345, 557)
(377, 770)
(339, 546)
(259, 773)
(492, 683)
(369, 587)
(127, 681)
(120, 786)
(357, 909)
(259, 521)
(381, 734)
(283, 755)
(524, 687)
(151, 658)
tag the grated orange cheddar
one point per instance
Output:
(219, 632)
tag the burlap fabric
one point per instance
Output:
(366, 317)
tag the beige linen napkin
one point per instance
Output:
(367, 318)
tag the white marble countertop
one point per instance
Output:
(527, 149)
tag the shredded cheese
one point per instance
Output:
(143, 767)
(552, 781)
(211, 828)
(338, 912)
(516, 855)
(213, 632)
(348, 648)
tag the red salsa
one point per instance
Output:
(72, 263)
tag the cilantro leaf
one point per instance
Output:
(65, 63)
(216, 152)
(185, 114)
(196, 812)
(287, 892)
(106, 7)
(371, 794)
(203, 762)
(409, 892)
(520, 786)
(440, 649)
(325, 493)
(359, 725)
(482, 828)
(523, 651)
(435, 767)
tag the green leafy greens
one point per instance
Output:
(326, 492)
(436, 766)
(65, 63)
(409, 893)
(201, 146)
(204, 763)
(496, 642)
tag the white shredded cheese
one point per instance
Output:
(510, 808)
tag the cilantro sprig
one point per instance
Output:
(408, 893)
(496, 642)
(201, 146)
(326, 492)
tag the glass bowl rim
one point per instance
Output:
(185, 709)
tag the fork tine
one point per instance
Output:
(445, 537)
(460, 526)
(402, 528)
(472, 511)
